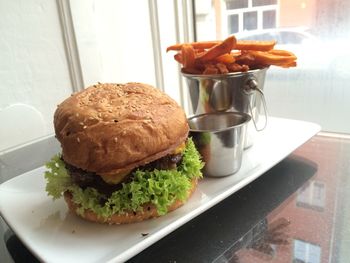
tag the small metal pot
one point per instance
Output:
(219, 138)
(240, 92)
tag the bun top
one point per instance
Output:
(113, 128)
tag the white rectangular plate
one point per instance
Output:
(54, 235)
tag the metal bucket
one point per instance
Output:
(240, 92)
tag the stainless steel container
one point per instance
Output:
(219, 137)
(240, 92)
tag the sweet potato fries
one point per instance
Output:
(230, 55)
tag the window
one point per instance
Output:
(312, 196)
(318, 32)
(314, 91)
(248, 15)
(305, 252)
(233, 23)
(46, 56)
(269, 19)
(250, 20)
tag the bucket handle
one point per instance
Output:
(252, 84)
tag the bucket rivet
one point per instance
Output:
(250, 85)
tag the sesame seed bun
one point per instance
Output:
(114, 128)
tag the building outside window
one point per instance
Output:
(305, 252)
(250, 15)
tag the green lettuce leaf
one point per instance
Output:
(158, 187)
(57, 177)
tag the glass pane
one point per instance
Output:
(269, 19)
(236, 4)
(233, 24)
(264, 2)
(250, 20)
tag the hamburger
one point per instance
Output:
(126, 155)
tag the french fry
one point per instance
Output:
(236, 53)
(196, 45)
(178, 57)
(282, 53)
(193, 71)
(255, 45)
(246, 58)
(234, 67)
(245, 68)
(188, 56)
(224, 47)
(230, 55)
(222, 68)
(265, 58)
(199, 52)
(210, 70)
(226, 59)
(287, 64)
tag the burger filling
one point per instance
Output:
(107, 186)
(160, 183)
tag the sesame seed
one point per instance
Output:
(78, 139)
(115, 139)
(84, 127)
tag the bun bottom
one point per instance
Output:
(149, 211)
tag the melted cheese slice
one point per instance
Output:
(117, 178)
(180, 148)
(114, 178)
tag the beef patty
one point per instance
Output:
(86, 179)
